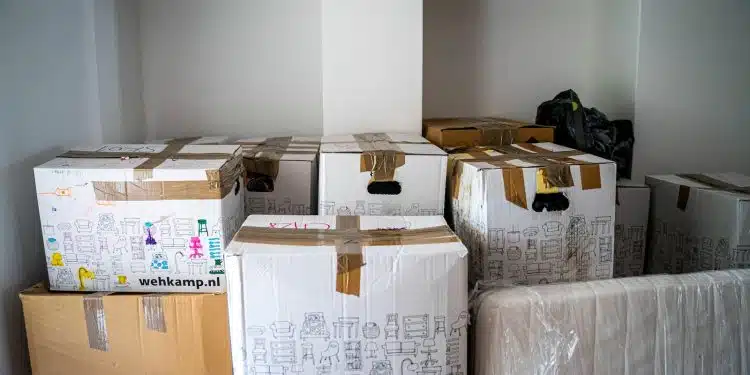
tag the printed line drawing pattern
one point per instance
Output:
(416, 326)
(159, 262)
(391, 327)
(85, 243)
(514, 253)
(282, 330)
(64, 227)
(165, 230)
(326, 357)
(314, 326)
(68, 245)
(183, 227)
(256, 330)
(48, 230)
(398, 348)
(372, 349)
(497, 241)
(138, 267)
(531, 231)
(371, 330)
(552, 228)
(327, 208)
(259, 350)
(452, 351)
(531, 250)
(439, 325)
(552, 249)
(84, 226)
(307, 353)
(601, 226)
(353, 355)
(495, 269)
(283, 352)
(460, 324)
(514, 236)
(428, 348)
(137, 248)
(346, 328)
(106, 223)
(196, 267)
(606, 249)
(65, 278)
(381, 368)
(256, 205)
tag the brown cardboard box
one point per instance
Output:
(483, 131)
(100, 333)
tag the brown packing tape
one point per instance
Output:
(153, 312)
(379, 156)
(515, 188)
(349, 257)
(217, 185)
(348, 240)
(263, 159)
(591, 176)
(496, 134)
(96, 323)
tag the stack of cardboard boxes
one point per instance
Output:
(378, 283)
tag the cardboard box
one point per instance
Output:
(140, 217)
(347, 294)
(699, 222)
(663, 324)
(125, 334)
(483, 131)
(631, 222)
(381, 174)
(282, 173)
(534, 213)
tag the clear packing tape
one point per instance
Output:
(695, 323)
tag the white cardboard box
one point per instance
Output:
(494, 197)
(139, 217)
(352, 165)
(699, 222)
(292, 163)
(631, 222)
(299, 303)
(662, 324)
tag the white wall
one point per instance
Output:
(232, 67)
(484, 57)
(372, 66)
(56, 92)
(693, 92)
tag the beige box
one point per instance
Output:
(699, 222)
(664, 324)
(534, 213)
(449, 133)
(125, 334)
(631, 223)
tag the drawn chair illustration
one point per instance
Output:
(268, 370)
(331, 352)
(282, 330)
(460, 324)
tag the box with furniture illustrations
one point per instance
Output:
(126, 333)
(662, 324)
(534, 213)
(381, 174)
(699, 222)
(140, 217)
(347, 294)
(483, 131)
(631, 222)
(282, 173)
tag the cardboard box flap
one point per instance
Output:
(347, 235)
(449, 132)
(281, 148)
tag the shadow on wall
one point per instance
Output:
(22, 256)
(501, 57)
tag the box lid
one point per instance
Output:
(409, 144)
(728, 183)
(524, 155)
(139, 156)
(298, 234)
(449, 132)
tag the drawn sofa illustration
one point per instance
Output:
(400, 348)
(282, 330)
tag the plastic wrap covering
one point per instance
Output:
(678, 324)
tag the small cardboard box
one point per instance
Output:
(140, 217)
(534, 213)
(698, 222)
(483, 131)
(662, 324)
(282, 173)
(124, 334)
(347, 294)
(631, 221)
(381, 174)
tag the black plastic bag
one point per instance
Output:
(589, 130)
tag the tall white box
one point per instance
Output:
(151, 218)
(534, 213)
(381, 174)
(347, 294)
(631, 222)
(282, 173)
(699, 222)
